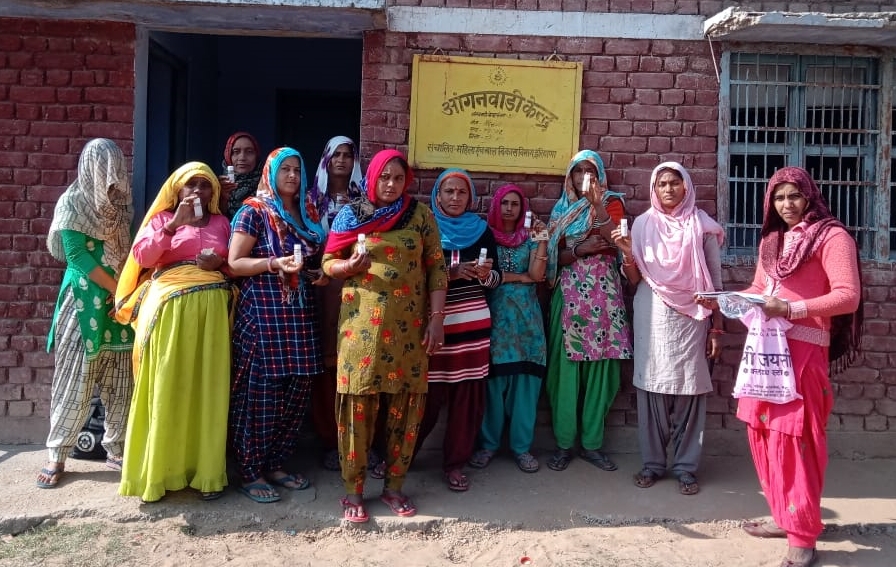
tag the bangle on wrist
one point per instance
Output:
(537, 257)
(575, 252)
(271, 265)
(714, 331)
(437, 313)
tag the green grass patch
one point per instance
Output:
(72, 544)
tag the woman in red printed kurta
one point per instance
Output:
(808, 271)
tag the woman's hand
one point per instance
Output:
(595, 196)
(434, 337)
(775, 307)
(317, 277)
(286, 264)
(183, 214)
(226, 189)
(357, 263)
(209, 262)
(713, 346)
(463, 271)
(706, 302)
(624, 243)
(483, 270)
(591, 246)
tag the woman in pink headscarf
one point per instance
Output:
(393, 308)
(808, 272)
(673, 252)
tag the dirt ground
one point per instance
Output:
(580, 517)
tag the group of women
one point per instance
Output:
(424, 308)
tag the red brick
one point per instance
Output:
(647, 112)
(32, 78)
(59, 44)
(56, 178)
(672, 96)
(647, 97)
(23, 408)
(27, 112)
(580, 45)
(627, 63)
(111, 130)
(71, 95)
(52, 161)
(20, 60)
(19, 376)
(58, 77)
(875, 423)
(606, 111)
(32, 94)
(626, 46)
(59, 60)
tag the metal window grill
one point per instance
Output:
(817, 112)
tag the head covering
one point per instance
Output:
(496, 223)
(318, 189)
(461, 231)
(668, 247)
(246, 183)
(361, 215)
(92, 207)
(167, 200)
(228, 147)
(573, 215)
(846, 330)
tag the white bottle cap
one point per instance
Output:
(586, 182)
(362, 244)
(483, 255)
(297, 253)
(623, 227)
(197, 208)
(528, 222)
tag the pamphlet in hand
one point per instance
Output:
(751, 297)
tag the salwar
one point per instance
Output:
(74, 379)
(466, 406)
(513, 398)
(598, 380)
(266, 441)
(665, 418)
(789, 446)
(357, 417)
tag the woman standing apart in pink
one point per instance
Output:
(808, 272)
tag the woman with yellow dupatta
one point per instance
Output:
(174, 293)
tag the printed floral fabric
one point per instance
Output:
(594, 320)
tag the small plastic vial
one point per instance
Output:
(527, 224)
(362, 244)
(623, 228)
(297, 253)
(231, 175)
(483, 254)
(197, 208)
(586, 182)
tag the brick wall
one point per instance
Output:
(682, 7)
(644, 102)
(61, 84)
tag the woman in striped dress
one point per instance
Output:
(457, 372)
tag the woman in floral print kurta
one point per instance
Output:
(393, 305)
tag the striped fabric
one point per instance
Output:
(468, 323)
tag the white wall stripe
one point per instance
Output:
(419, 19)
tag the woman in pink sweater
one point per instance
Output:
(808, 270)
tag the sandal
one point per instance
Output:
(687, 484)
(527, 463)
(209, 496)
(646, 478)
(49, 478)
(290, 481)
(354, 513)
(400, 504)
(481, 458)
(260, 486)
(114, 463)
(764, 529)
(457, 481)
(598, 459)
(560, 460)
(379, 471)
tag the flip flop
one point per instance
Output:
(359, 516)
(400, 505)
(687, 484)
(764, 530)
(598, 459)
(481, 458)
(114, 463)
(209, 496)
(297, 481)
(560, 460)
(527, 463)
(247, 490)
(53, 476)
(457, 481)
(808, 562)
(646, 478)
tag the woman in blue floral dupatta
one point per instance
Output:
(589, 331)
(276, 343)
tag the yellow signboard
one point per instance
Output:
(501, 115)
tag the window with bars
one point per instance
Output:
(821, 112)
